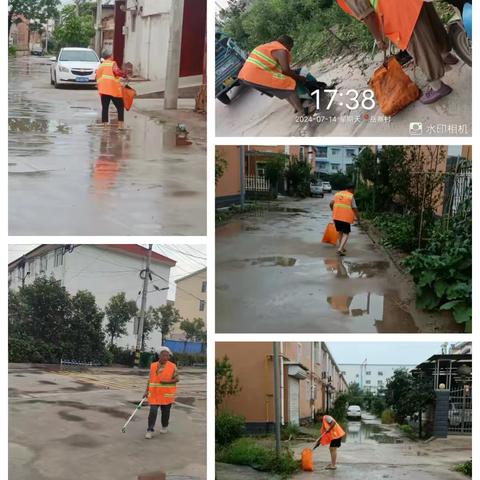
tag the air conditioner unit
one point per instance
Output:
(324, 374)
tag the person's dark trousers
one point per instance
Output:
(152, 416)
(117, 101)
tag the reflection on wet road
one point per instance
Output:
(274, 275)
(69, 175)
(370, 430)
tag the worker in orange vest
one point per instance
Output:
(344, 212)
(268, 69)
(161, 390)
(414, 26)
(109, 87)
(331, 433)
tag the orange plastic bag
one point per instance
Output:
(393, 88)
(128, 96)
(307, 460)
(330, 235)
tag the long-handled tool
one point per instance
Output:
(139, 406)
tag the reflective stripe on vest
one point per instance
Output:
(261, 68)
(342, 207)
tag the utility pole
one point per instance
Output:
(276, 396)
(143, 307)
(173, 55)
(242, 176)
(98, 29)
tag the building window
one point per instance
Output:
(357, 375)
(350, 152)
(368, 382)
(133, 21)
(322, 152)
(368, 373)
(43, 264)
(204, 286)
(58, 257)
(380, 383)
(335, 151)
(380, 374)
(301, 153)
(202, 305)
(31, 268)
(19, 274)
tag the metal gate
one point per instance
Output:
(460, 411)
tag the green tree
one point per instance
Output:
(119, 311)
(37, 11)
(74, 30)
(274, 170)
(162, 318)
(194, 330)
(298, 177)
(226, 384)
(84, 332)
(220, 166)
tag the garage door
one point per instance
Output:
(294, 400)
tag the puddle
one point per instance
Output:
(70, 417)
(276, 261)
(384, 312)
(80, 440)
(362, 432)
(112, 412)
(347, 269)
(152, 476)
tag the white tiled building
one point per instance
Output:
(104, 270)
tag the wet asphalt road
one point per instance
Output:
(70, 176)
(66, 425)
(273, 275)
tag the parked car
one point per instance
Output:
(36, 49)
(455, 415)
(354, 412)
(327, 188)
(229, 59)
(74, 66)
(316, 189)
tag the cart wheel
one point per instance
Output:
(461, 44)
(224, 98)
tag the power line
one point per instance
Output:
(180, 288)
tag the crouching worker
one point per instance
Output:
(331, 433)
(268, 70)
(161, 390)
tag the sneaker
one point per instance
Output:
(149, 435)
(432, 96)
(164, 430)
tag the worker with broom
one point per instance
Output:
(161, 390)
(344, 212)
(414, 26)
(110, 89)
(331, 434)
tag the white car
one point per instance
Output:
(354, 411)
(74, 66)
(327, 188)
(316, 189)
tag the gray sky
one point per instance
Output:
(190, 258)
(383, 352)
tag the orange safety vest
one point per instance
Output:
(399, 18)
(161, 388)
(342, 207)
(335, 432)
(107, 82)
(263, 69)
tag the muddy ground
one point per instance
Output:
(371, 451)
(252, 114)
(273, 275)
(66, 425)
(70, 176)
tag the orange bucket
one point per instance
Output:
(307, 460)
(330, 235)
(128, 96)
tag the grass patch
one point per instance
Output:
(465, 468)
(247, 451)
(225, 214)
(409, 431)
(290, 431)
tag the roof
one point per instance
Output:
(191, 274)
(127, 249)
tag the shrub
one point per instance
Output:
(465, 468)
(388, 416)
(408, 430)
(12, 51)
(26, 349)
(123, 356)
(290, 430)
(228, 427)
(189, 359)
(397, 231)
(246, 451)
